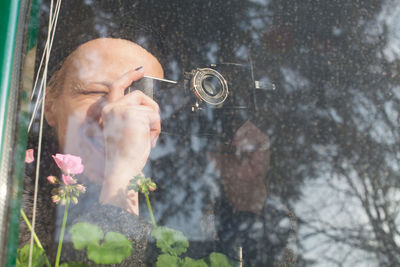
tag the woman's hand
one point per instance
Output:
(131, 125)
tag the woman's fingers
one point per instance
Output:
(136, 97)
(139, 98)
(118, 87)
(148, 116)
(132, 118)
(130, 122)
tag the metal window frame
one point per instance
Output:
(18, 27)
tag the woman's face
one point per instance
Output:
(89, 73)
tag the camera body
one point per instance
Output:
(209, 101)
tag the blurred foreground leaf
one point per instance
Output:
(170, 241)
(38, 256)
(189, 262)
(115, 248)
(166, 260)
(85, 234)
(219, 260)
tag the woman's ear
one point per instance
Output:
(50, 111)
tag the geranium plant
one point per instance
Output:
(68, 190)
(173, 243)
(114, 248)
(111, 247)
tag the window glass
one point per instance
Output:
(269, 130)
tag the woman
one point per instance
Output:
(113, 133)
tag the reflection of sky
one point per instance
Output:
(197, 226)
(294, 81)
(261, 2)
(396, 92)
(390, 17)
(329, 208)
(368, 118)
(333, 215)
(387, 24)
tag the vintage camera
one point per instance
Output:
(211, 100)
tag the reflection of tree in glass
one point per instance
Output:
(333, 122)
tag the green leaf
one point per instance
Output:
(165, 260)
(170, 241)
(219, 260)
(115, 248)
(38, 256)
(74, 264)
(189, 262)
(84, 234)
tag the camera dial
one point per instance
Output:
(209, 86)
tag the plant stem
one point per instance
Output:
(30, 229)
(62, 233)
(34, 235)
(150, 210)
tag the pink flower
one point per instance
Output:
(52, 179)
(69, 164)
(67, 179)
(29, 156)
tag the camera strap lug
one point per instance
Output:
(264, 85)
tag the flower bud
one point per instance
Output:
(81, 188)
(74, 200)
(52, 179)
(56, 199)
(152, 187)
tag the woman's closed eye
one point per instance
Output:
(94, 92)
(94, 89)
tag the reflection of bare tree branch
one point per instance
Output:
(364, 183)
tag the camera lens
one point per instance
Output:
(211, 85)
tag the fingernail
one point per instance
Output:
(139, 68)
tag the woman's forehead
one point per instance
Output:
(110, 60)
(98, 61)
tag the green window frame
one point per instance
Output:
(19, 26)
